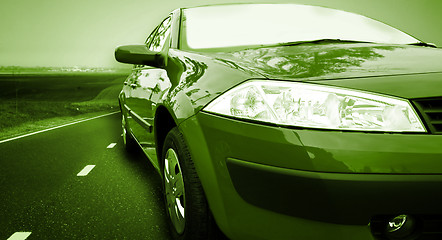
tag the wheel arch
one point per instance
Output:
(163, 123)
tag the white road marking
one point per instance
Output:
(64, 125)
(112, 145)
(85, 170)
(19, 236)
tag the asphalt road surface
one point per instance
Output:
(41, 194)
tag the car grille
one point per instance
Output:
(431, 111)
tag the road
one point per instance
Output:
(40, 192)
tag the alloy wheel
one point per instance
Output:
(174, 190)
(123, 126)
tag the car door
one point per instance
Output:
(145, 86)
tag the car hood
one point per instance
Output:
(377, 67)
(333, 61)
(397, 70)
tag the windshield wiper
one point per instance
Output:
(320, 41)
(317, 41)
(424, 44)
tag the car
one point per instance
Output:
(287, 121)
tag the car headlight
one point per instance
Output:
(316, 106)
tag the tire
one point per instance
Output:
(128, 141)
(186, 205)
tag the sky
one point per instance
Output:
(84, 33)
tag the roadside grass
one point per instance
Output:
(31, 111)
(35, 102)
(34, 126)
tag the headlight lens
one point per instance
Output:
(316, 106)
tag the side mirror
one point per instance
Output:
(138, 54)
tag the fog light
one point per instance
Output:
(400, 226)
(396, 223)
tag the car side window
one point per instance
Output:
(159, 39)
(149, 39)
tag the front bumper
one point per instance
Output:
(351, 199)
(266, 182)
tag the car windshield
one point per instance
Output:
(266, 24)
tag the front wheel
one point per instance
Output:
(186, 205)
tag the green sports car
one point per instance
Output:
(285, 121)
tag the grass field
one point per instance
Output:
(32, 101)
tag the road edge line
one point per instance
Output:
(52, 128)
